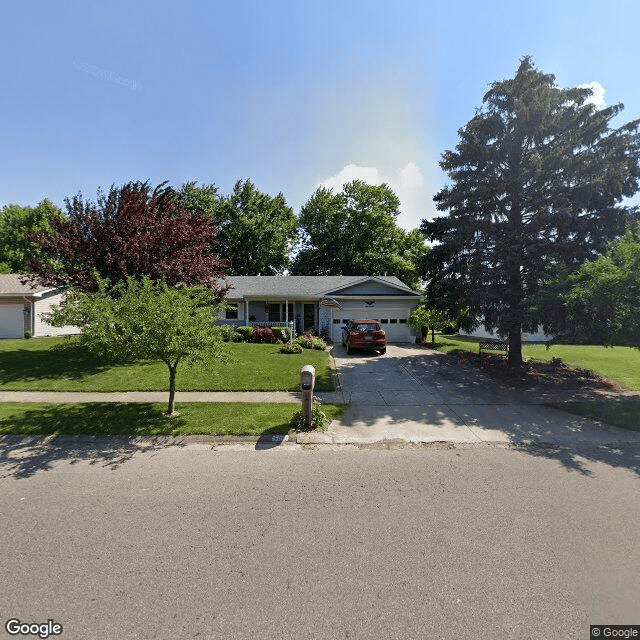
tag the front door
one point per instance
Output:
(309, 316)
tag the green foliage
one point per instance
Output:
(245, 332)
(16, 223)
(145, 320)
(361, 217)
(255, 231)
(537, 181)
(294, 347)
(228, 333)
(603, 300)
(308, 341)
(28, 335)
(319, 419)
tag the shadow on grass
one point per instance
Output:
(68, 359)
(116, 427)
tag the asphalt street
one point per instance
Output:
(467, 541)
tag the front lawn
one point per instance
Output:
(621, 364)
(60, 364)
(147, 419)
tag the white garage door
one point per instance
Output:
(11, 320)
(393, 321)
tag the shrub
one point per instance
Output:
(319, 419)
(245, 333)
(228, 333)
(283, 334)
(27, 335)
(309, 341)
(291, 348)
(263, 334)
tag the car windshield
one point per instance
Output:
(370, 326)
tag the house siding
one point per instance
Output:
(44, 306)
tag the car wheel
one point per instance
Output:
(383, 351)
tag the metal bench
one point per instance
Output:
(493, 345)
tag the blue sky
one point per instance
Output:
(288, 94)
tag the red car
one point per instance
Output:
(364, 334)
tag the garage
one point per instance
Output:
(11, 320)
(393, 321)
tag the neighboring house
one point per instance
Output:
(322, 303)
(481, 332)
(23, 305)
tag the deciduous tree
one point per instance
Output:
(133, 230)
(255, 231)
(602, 300)
(538, 184)
(142, 319)
(354, 232)
(16, 225)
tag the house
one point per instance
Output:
(22, 307)
(322, 303)
(481, 332)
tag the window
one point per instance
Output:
(403, 321)
(231, 312)
(384, 321)
(336, 321)
(277, 312)
(393, 320)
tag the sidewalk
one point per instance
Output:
(163, 396)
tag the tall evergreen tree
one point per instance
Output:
(538, 181)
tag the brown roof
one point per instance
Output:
(10, 285)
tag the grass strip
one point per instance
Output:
(147, 419)
(61, 364)
(616, 412)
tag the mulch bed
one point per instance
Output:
(538, 373)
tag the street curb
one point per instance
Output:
(274, 440)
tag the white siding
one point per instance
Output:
(41, 326)
(481, 332)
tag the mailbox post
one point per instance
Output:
(307, 382)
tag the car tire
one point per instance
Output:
(383, 351)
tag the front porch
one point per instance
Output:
(300, 315)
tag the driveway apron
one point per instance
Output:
(416, 394)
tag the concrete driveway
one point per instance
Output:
(421, 395)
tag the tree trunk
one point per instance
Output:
(433, 336)
(172, 390)
(515, 348)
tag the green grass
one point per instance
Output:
(621, 364)
(60, 364)
(147, 419)
(619, 413)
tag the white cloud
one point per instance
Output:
(407, 183)
(352, 172)
(597, 98)
(411, 176)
